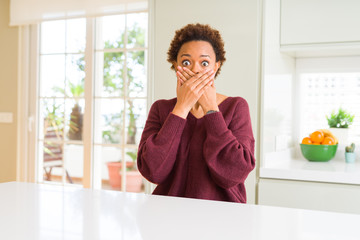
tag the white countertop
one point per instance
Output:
(283, 165)
(47, 212)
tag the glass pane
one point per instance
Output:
(75, 75)
(53, 155)
(52, 37)
(111, 73)
(74, 114)
(52, 75)
(108, 159)
(110, 32)
(63, 162)
(137, 30)
(135, 120)
(134, 180)
(52, 119)
(136, 74)
(108, 121)
(74, 163)
(75, 35)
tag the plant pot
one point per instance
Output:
(133, 181)
(76, 123)
(350, 157)
(342, 135)
(133, 178)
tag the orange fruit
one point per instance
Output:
(306, 140)
(316, 143)
(317, 136)
(328, 141)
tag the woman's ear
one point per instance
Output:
(217, 66)
(175, 65)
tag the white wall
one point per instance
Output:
(277, 85)
(238, 22)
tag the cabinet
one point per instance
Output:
(310, 195)
(320, 22)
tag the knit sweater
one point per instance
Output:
(205, 158)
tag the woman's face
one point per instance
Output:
(197, 56)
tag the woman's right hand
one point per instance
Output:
(189, 91)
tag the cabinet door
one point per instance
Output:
(310, 195)
(319, 22)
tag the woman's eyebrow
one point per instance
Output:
(188, 55)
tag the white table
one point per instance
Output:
(39, 211)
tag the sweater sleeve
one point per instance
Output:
(159, 145)
(229, 151)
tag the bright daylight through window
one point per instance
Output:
(119, 99)
(323, 93)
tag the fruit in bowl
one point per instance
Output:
(320, 146)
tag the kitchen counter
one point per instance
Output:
(283, 165)
(39, 211)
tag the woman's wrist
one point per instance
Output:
(211, 108)
(180, 111)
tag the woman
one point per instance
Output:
(199, 144)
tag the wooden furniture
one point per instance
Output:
(53, 155)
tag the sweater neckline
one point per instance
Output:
(192, 116)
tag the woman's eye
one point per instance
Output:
(205, 63)
(186, 63)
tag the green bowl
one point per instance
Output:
(318, 153)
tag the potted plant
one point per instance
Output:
(133, 176)
(350, 154)
(339, 123)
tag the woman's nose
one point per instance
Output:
(196, 68)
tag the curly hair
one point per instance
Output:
(197, 32)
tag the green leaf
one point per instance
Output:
(341, 119)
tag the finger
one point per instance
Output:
(185, 74)
(208, 81)
(181, 81)
(204, 84)
(206, 76)
(203, 90)
(178, 84)
(199, 77)
(182, 77)
(211, 83)
(188, 72)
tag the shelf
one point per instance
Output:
(291, 166)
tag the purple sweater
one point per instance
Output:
(206, 158)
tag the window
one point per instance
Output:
(326, 92)
(326, 89)
(296, 103)
(119, 99)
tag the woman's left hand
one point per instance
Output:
(208, 100)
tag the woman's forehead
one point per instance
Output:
(196, 48)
